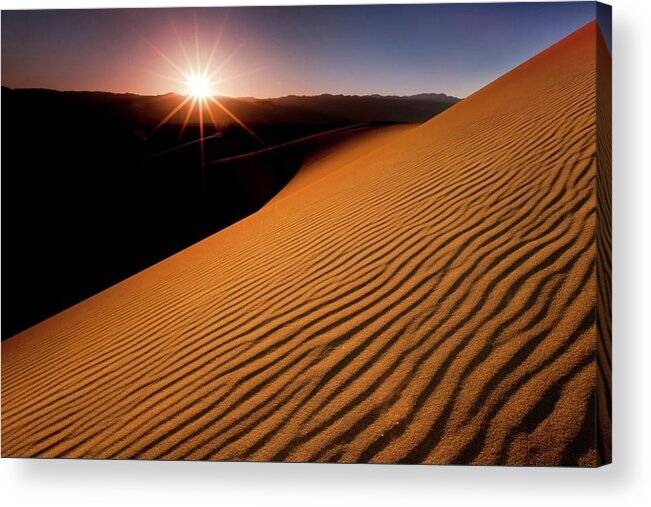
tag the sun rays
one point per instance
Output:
(197, 78)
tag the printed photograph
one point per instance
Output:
(335, 234)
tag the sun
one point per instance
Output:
(200, 95)
(198, 87)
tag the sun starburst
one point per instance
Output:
(201, 93)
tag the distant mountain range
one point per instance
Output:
(325, 109)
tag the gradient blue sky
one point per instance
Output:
(387, 49)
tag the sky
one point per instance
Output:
(274, 51)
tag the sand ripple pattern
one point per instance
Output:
(434, 300)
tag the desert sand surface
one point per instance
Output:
(342, 155)
(431, 298)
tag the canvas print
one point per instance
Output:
(333, 234)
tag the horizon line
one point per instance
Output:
(375, 94)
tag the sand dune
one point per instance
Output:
(341, 156)
(429, 299)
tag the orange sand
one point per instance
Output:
(428, 297)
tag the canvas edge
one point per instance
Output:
(603, 267)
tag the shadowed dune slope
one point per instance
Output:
(429, 301)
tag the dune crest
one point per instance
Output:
(433, 304)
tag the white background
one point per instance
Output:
(625, 482)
